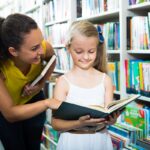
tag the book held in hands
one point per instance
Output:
(71, 111)
(44, 71)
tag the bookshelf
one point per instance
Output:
(118, 13)
(49, 18)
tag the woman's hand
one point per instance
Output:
(30, 90)
(87, 121)
(53, 103)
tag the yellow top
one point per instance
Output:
(16, 80)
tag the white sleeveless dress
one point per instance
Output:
(97, 141)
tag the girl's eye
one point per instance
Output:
(78, 51)
(92, 51)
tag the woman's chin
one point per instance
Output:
(37, 61)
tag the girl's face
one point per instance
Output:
(31, 50)
(83, 51)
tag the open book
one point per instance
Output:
(42, 74)
(70, 111)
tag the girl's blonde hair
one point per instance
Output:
(87, 29)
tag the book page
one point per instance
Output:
(115, 102)
(122, 103)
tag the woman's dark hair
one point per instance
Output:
(12, 32)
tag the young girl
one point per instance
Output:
(88, 84)
(22, 107)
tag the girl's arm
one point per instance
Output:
(20, 112)
(108, 99)
(60, 92)
(108, 90)
(64, 125)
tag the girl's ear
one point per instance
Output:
(13, 51)
(68, 48)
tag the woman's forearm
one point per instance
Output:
(21, 112)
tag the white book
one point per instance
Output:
(44, 71)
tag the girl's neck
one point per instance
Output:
(78, 71)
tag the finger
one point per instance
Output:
(98, 120)
(118, 113)
(110, 117)
(87, 117)
(27, 87)
(115, 115)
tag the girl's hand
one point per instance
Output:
(113, 118)
(30, 90)
(87, 121)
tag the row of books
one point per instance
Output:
(133, 2)
(50, 137)
(134, 128)
(86, 8)
(56, 10)
(63, 61)
(36, 16)
(137, 77)
(56, 33)
(138, 33)
(114, 73)
(23, 5)
(111, 33)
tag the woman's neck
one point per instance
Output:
(24, 68)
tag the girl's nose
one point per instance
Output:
(86, 56)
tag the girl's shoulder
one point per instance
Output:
(62, 84)
(62, 79)
(104, 77)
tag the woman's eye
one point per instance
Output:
(35, 48)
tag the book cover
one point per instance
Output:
(137, 117)
(44, 71)
(70, 111)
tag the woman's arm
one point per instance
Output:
(20, 112)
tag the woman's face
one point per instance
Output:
(83, 51)
(31, 50)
